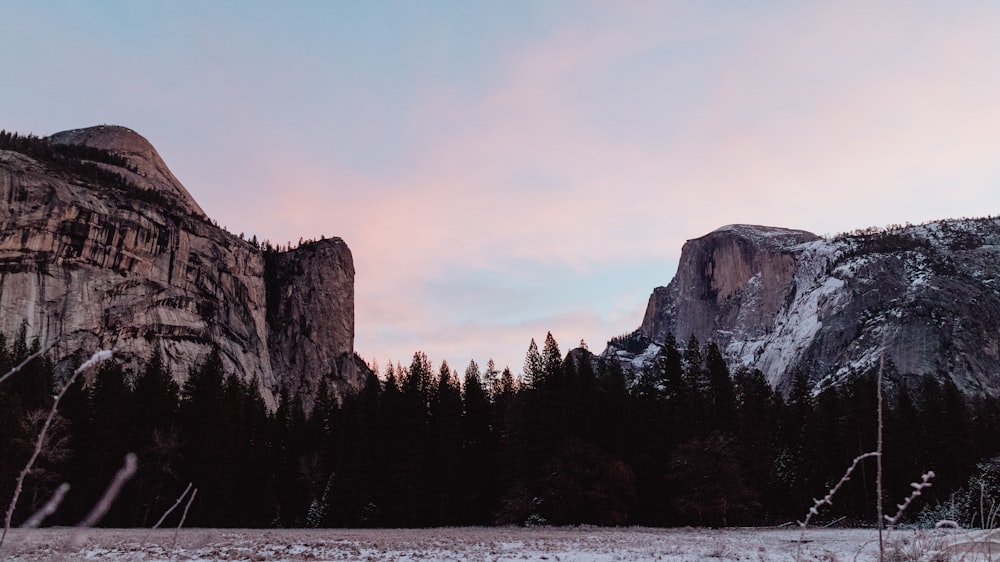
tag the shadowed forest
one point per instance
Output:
(569, 441)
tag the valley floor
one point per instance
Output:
(583, 544)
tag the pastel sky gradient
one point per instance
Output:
(502, 169)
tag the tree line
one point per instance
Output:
(572, 440)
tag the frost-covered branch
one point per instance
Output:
(22, 364)
(828, 498)
(94, 360)
(918, 487)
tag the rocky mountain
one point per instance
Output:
(926, 298)
(101, 247)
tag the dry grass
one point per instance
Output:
(585, 544)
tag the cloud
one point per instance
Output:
(819, 119)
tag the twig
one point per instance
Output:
(828, 498)
(173, 507)
(186, 508)
(834, 522)
(49, 508)
(925, 482)
(878, 461)
(184, 515)
(22, 364)
(40, 442)
(101, 507)
(123, 475)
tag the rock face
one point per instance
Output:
(926, 298)
(718, 274)
(303, 286)
(151, 171)
(90, 266)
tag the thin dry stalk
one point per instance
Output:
(918, 487)
(828, 498)
(22, 364)
(173, 507)
(184, 515)
(40, 442)
(878, 461)
(987, 516)
(49, 508)
(101, 508)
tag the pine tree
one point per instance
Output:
(156, 395)
(478, 468)
(205, 445)
(721, 395)
(475, 402)
(552, 360)
(792, 463)
(757, 415)
(292, 494)
(902, 447)
(956, 452)
(491, 379)
(533, 371)
(503, 404)
(111, 435)
(581, 398)
(446, 438)
(670, 364)
(411, 473)
(709, 486)
(696, 385)
(858, 435)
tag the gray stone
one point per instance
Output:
(925, 298)
(91, 267)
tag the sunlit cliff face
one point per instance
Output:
(92, 266)
(918, 298)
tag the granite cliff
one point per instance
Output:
(926, 298)
(134, 264)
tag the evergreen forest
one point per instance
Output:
(686, 442)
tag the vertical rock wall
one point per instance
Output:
(921, 299)
(726, 281)
(311, 317)
(92, 268)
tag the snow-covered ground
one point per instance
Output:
(585, 544)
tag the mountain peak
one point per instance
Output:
(922, 298)
(151, 172)
(114, 138)
(765, 235)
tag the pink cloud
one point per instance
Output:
(824, 118)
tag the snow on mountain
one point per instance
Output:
(924, 298)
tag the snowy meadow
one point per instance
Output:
(587, 544)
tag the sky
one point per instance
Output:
(505, 169)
